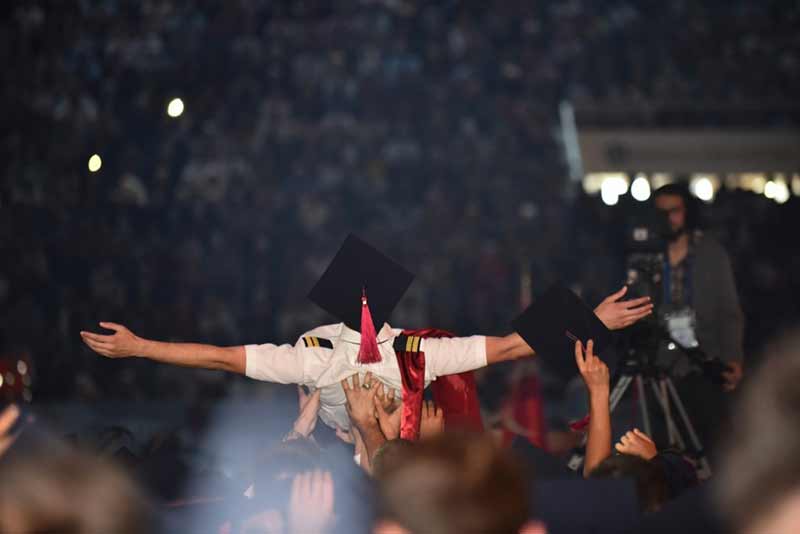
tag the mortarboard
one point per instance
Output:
(361, 287)
(552, 325)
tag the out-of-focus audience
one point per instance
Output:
(759, 481)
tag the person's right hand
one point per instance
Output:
(121, 344)
(637, 443)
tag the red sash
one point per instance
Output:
(455, 394)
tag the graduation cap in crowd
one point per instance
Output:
(552, 325)
(361, 287)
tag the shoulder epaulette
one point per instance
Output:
(407, 343)
(314, 341)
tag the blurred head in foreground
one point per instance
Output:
(68, 492)
(759, 479)
(454, 483)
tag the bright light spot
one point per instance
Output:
(671, 346)
(640, 189)
(753, 181)
(660, 179)
(770, 189)
(781, 191)
(796, 184)
(703, 189)
(594, 182)
(175, 107)
(1, 381)
(95, 163)
(609, 194)
(22, 367)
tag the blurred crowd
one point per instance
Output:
(426, 128)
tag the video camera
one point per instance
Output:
(645, 254)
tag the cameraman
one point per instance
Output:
(699, 293)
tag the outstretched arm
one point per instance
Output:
(595, 376)
(510, 347)
(123, 343)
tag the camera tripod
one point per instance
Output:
(634, 372)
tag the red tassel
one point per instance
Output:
(368, 351)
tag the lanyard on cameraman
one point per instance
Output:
(687, 279)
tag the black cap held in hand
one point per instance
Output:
(358, 267)
(553, 323)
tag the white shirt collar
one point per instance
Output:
(349, 335)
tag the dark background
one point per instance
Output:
(429, 128)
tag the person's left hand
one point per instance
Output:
(617, 314)
(732, 376)
(361, 399)
(309, 410)
(311, 503)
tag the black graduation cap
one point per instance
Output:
(552, 325)
(356, 267)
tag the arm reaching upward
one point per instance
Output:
(595, 375)
(123, 343)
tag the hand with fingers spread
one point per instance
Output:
(121, 344)
(388, 411)
(389, 416)
(309, 410)
(432, 420)
(361, 399)
(311, 503)
(637, 443)
(616, 313)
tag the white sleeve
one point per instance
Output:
(453, 355)
(275, 363)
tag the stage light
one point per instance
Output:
(22, 367)
(770, 188)
(609, 194)
(175, 108)
(781, 194)
(796, 184)
(703, 188)
(95, 163)
(640, 188)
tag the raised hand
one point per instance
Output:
(389, 418)
(8, 417)
(637, 443)
(309, 410)
(121, 344)
(432, 420)
(593, 370)
(311, 503)
(361, 399)
(616, 313)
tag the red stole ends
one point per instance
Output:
(455, 394)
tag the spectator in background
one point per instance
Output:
(758, 486)
(459, 484)
(61, 490)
